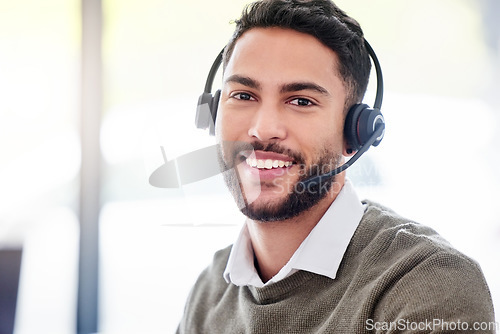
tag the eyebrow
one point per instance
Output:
(286, 88)
(245, 81)
(298, 86)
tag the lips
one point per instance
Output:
(267, 160)
(267, 163)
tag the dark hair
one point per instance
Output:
(321, 19)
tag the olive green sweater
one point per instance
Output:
(396, 277)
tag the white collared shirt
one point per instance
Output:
(321, 252)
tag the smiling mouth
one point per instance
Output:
(267, 163)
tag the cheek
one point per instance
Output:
(227, 126)
(218, 125)
(320, 137)
(222, 130)
(334, 133)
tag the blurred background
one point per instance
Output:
(90, 90)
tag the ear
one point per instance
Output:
(347, 150)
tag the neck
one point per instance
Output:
(274, 243)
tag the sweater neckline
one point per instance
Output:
(281, 289)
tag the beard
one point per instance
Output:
(297, 200)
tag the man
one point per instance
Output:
(320, 260)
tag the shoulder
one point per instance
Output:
(417, 272)
(390, 237)
(212, 276)
(219, 260)
(384, 228)
(206, 293)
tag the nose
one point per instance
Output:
(267, 124)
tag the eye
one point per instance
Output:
(242, 96)
(301, 102)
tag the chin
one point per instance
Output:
(285, 207)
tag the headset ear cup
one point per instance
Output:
(203, 111)
(206, 111)
(351, 127)
(213, 110)
(367, 124)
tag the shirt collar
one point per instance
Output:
(321, 252)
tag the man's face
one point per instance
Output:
(282, 95)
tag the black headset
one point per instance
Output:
(360, 124)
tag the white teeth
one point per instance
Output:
(268, 163)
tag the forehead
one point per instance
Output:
(282, 54)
